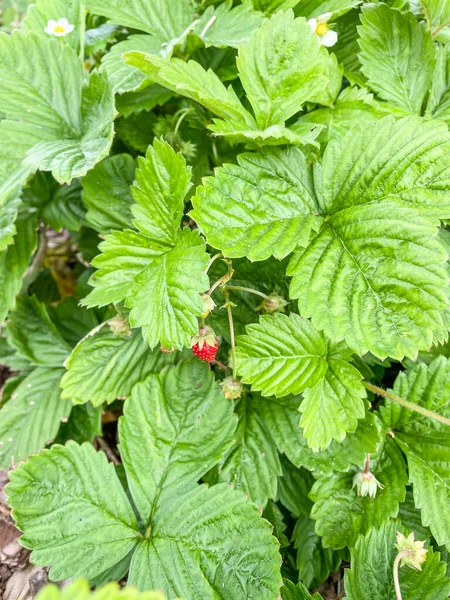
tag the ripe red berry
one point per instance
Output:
(205, 344)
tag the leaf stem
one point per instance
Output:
(246, 289)
(230, 321)
(397, 560)
(415, 407)
(223, 279)
(215, 257)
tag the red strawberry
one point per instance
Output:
(205, 344)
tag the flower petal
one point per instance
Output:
(325, 17)
(329, 39)
(313, 24)
(63, 22)
(70, 28)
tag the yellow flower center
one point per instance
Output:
(322, 28)
(60, 29)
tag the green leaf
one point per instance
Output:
(282, 418)
(341, 515)
(104, 367)
(281, 68)
(211, 545)
(160, 271)
(42, 11)
(371, 575)
(181, 422)
(374, 184)
(230, 26)
(80, 590)
(97, 38)
(144, 99)
(438, 106)
(266, 205)
(397, 56)
(166, 20)
(107, 194)
(437, 14)
(314, 562)
(294, 487)
(73, 510)
(83, 425)
(72, 320)
(32, 416)
(315, 8)
(252, 463)
(8, 215)
(428, 459)
(34, 336)
(283, 355)
(65, 126)
(289, 591)
(14, 262)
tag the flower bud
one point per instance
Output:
(231, 388)
(120, 325)
(366, 484)
(273, 304)
(413, 553)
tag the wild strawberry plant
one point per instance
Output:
(225, 295)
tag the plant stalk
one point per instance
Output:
(231, 324)
(415, 407)
(398, 558)
(246, 289)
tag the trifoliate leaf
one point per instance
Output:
(266, 205)
(14, 261)
(42, 84)
(370, 575)
(73, 510)
(224, 26)
(428, 459)
(107, 194)
(176, 426)
(42, 11)
(165, 20)
(33, 335)
(208, 545)
(252, 463)
(282, 418)
(281, 68)
(104, 367)
(160, 270)
(32, 416)
(341, 515)
(283, 355)
(374, 184)
(80, 590)
(397, 56)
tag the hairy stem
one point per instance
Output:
(230, 321)
(215, 257)
(223, 279)
(246, 289)
(415, 407)
(397, 560)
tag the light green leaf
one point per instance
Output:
(14, 262)
(374, 184)
(32, 416)
(74, 511)
(428, 459)
(107, 194)
(42, 11)
(283, 355)
(252, 463)
(144, 99)
(211, 545)
(341, 515)
(104, 367)
(315, 8)
(229, 26)
(353, 105)
(397, 56)
(371, 575)
(281, 68)
(438, 105)
(123, 77)
(282, 418)
(80, 590)
(266, 205)
(272, 6)
(97, 38)
(65, 125)
(166, 20)
(8, 215)
(165, 300)
(437, 14)
(181, 422)
(289, 591)
(162, 182)
(34, 336)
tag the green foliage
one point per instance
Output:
(170, 165)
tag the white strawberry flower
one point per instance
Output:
(319, 26)
(60, 28)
